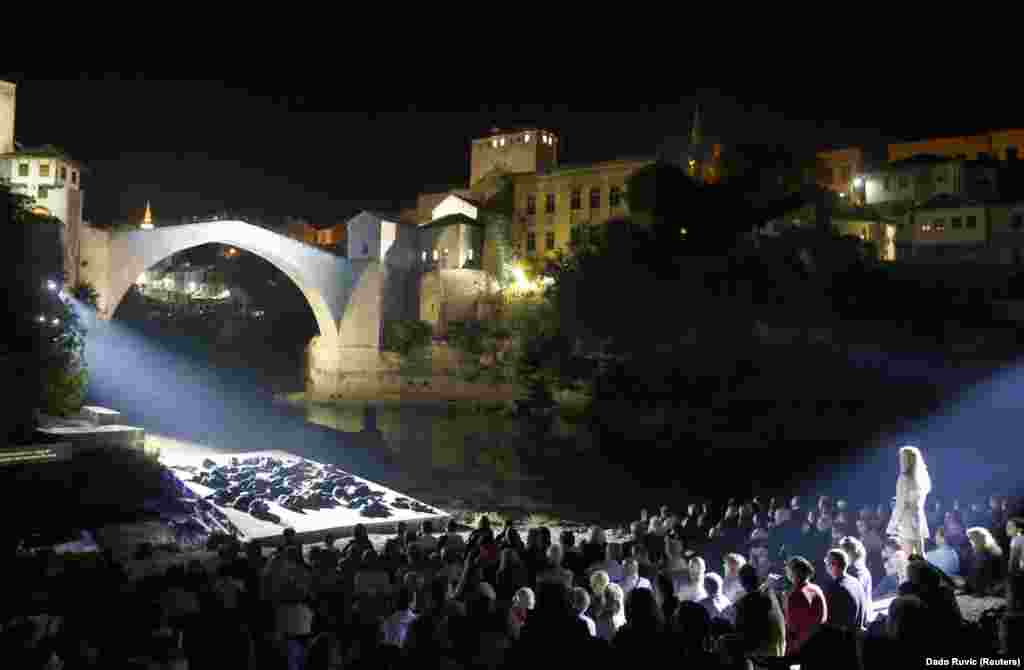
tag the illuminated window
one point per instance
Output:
(44, 168)
(424, 256)
(577, 197)
(926, 227)
(549, 203)
(63, 172)
(436, 255)
(526, 138)
(939, 225)
(469, 254)
(549, 240)
(494, 143)
(972, 222)
(531, 242)
(531, 204)
(501, 142)
(614, 196)
(22, 169)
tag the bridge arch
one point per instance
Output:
(343, 295)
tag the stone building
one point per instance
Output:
(997, 144)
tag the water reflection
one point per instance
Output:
(449, 441)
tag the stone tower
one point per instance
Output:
(526, 150)
(8, 98)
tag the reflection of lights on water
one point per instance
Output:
(41, 319)
(52, 285)
(55, 322)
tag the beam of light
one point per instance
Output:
(169, 386)
(51, 285)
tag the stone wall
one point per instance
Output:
(452, 295)
(94, 263)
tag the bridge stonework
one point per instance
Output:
(348, 297)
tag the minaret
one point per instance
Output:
(696, 137)
(147, 219)
(696, 142)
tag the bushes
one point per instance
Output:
(86, 293)
(405, 336)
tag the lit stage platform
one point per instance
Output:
(310, 524)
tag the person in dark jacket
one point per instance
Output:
(844, 596)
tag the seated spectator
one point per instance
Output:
(523, 603)
(1015, 531)
(426, 540)
(644, 629)
(692, 590)
(759, 619)
(732, 587)
(594, 548)
(580, 604)
(806, 608)
(844, 595)
(511, 575)
(612, 562)
(555, 572)
(943, 556)
(895, 574)
(715, 603)
(395, 628)
(986, 575)
(613, 613)
(631, 578)
(858, 567)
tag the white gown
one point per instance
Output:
(909, 522)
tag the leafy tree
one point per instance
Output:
(496, 215)
(86, 293)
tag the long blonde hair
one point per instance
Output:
(918, 469)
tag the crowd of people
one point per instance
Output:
(753, 583)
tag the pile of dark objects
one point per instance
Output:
(191, 519)
(251, 484)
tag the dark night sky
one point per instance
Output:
(288, 147)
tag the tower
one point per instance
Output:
(147, 219)
(8, 100)
(526, 150)
(696, 152)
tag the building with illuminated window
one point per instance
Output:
(46, 174)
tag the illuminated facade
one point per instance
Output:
(916, 180)
(836, 170)
(999, 144)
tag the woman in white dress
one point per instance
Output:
(908, 522)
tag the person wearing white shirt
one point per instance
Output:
(715, 603)
(395, 628)
(1015, 531)
(631, 578)
(693, 588)
(731, 586)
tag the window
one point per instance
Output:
(926, 227)
(531, 242)
(63, 172)
(531, 204)
(939, 225)
(1017, 222)
(549, 240)
(956, 222)
(526, 138)
(940, 177)
(576, 198)
(44, 169)
(436, 254)
(423, 256)
(469, 254)
(74, 176)
(972, 222)
(614, 197)
(43, 192)
(595, 198)
(904, 181)
(887, 183)
(494, 143)
(366, 248)
(22, 169)
(549, 203)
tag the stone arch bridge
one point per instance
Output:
(348, 297)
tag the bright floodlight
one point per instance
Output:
(41, 319)
(52, 285)
(858, 182)
(191, 286)
(56, 322)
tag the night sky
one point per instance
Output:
(289, 147)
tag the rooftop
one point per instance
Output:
(947, 201)
(451, 220)
(585, 167)
(44, 151)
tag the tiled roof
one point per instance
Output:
(451, 220)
